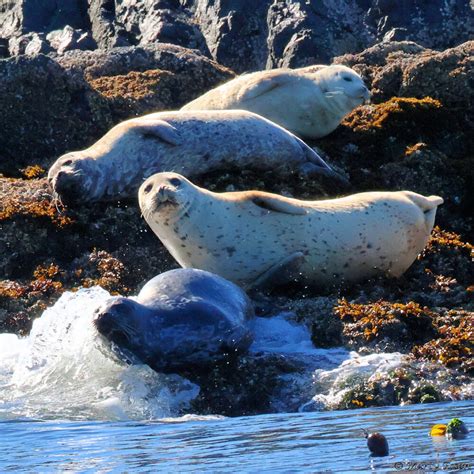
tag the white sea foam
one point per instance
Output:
(63, 369)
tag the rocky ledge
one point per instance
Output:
(417, 135)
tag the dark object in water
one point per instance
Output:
(456, 429)
(377, 444)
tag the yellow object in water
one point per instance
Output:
(438, 430)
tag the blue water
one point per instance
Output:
(301, 442)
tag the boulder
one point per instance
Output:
(409, 70)
(160, 21)
(25, 16)
(106, 30)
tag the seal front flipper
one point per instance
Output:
(280, 273)
(158, 129)
(277, 203)
(263, 86)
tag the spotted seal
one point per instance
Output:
(181, 320)
(191, 143)
(310, 102)
(258, 239)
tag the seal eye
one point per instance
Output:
(348, 79)
(67, 163)
(175, 181)
(148, 188)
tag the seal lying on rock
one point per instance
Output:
(261, 239)
(310, 101)
(181, 320)
(191, 143)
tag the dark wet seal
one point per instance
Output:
(377, 444)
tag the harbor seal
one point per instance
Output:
(310, 102)
(191, 143)
(182, 320)
(256, 239)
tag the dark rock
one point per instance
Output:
(432, 23)
(50, 106)
(37, 45)
(305, 33)
(4, 52)
(245, 35)
(161, 21)
(396, 34)
(68, 39)
(19, 17)
(408, 70)
(106, 30)
(236, 32)
(30, 44)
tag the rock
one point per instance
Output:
(68, 39)
(38, 45)
(161, 21)
(4, 52)
(41, 16)
(305, 33)
(247, 35)
(282, 33)
(106, 31)
(34, 43)
(53, 105)
(409, 70)
(432, 23)
(236, 32)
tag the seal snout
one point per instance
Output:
(66, 186)
(162, 192)
(107, 324)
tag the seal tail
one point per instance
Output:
(427, 204)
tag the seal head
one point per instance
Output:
(73, 177)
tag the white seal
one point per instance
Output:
(259, 239)
(310, 102)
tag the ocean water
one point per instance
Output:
(298, 442)
(68, 404)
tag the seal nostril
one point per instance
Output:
(148, 188)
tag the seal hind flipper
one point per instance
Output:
(280, 273)
(316, 165)
(277, 203)
(159, 129)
